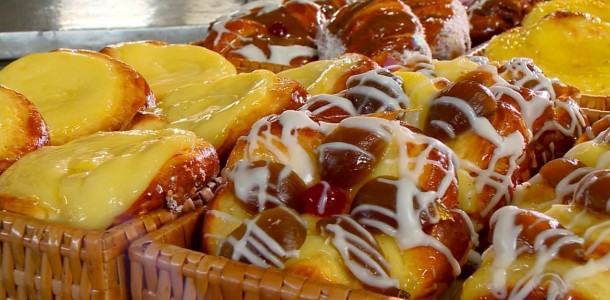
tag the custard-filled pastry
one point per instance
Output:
(167, 67)
(79, 92)
(365, 202)
(222, 110)
(533, 256)
(491, 17)
(22, 129)
(446, 26)
(268, 32)
(387, 31)
(84, 183)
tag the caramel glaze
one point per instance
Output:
(378, 29)
(294, 23)
(593, 192)
(491, 17)
(558, 169)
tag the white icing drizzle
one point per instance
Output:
(530, 110)
(372, 94)
(248, 179)
(281, 55)
(505, 237)
(567, 185)
(268, 249)
(409, 232)
(323, 198)
(294, 154)
(349, 244)
(510, 147)
(330, 101)
(518, 69)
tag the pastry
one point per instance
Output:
(598, 8)
(268, 32)
(78, 92)
(446, 26)
(222, 110)
(167, 67)
(334, 177)
(386, 31)
(83, 183)
(22, 128)
(491, 17)
(533, 256)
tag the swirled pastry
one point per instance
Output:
(22, 129)
(84, 184)
(382, 195)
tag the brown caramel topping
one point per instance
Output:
(349, 154)
(593, 192)
(261, 185)
(268, 239)
(558, 169)
(475, 94)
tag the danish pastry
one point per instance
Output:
(167, 67)
(83, 183)
(78, 92)
(222, 110)
(341, 183)
(22, 128)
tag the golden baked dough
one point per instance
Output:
(570, 46)
(78, 92)
(104, 178)
(22, 129)
(167, 67)
(222, 110)
(598, 8)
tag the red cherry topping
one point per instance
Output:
(278, 28)
(324, 199)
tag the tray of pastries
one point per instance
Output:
(300, 149)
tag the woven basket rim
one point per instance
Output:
(140, 253)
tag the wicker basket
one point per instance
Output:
(164, 267)
(42, 260)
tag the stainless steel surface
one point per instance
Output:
(36, 26)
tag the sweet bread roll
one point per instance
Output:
(222, 110)
(78, 92)
(534, 257)
(329, 76)
(491, 17)
(386, 31)
(167, 67)
(378, 203)
(84, 184)
(446, 26)
(268, 32)
(22, 129)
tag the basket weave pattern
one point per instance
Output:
(164, 267)
(42, 260)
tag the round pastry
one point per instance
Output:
(84, 184)
(386, 31)
(380, 195)
(79, 92)
(446, 26)
(22, 129)
(491, 17)
(268, 32)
